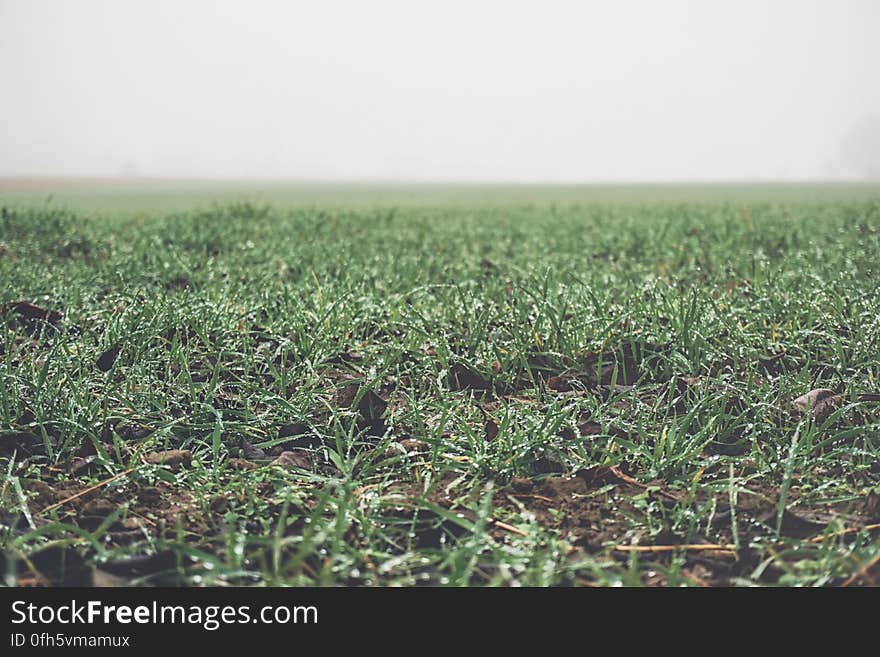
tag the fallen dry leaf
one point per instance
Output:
(411, 445)
(560, 382)
(105, 360)
(80, 465)
(595, 429)
(29, 310)
(462, 377)
(819, 403)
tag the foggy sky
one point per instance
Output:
(454, 91)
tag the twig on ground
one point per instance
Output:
(851, 530)
(531, 497)
(861, 572)
(635, 482)
(688, 547)
(87, 490)
(506, 527)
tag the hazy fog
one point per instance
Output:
(476, 90)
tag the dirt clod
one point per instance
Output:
(250, 452)
(23, 442)
(292, 429)
(100, 507)
(174, 458)
(293, 459)
(241, 464)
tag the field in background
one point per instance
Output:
(157, 196)
(450, 391)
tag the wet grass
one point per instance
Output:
(526, 395)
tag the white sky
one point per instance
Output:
(608, 90)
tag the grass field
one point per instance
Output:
(576, 393)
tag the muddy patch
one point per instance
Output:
(588, 508)
(117, 517)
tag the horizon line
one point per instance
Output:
(37, 180)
